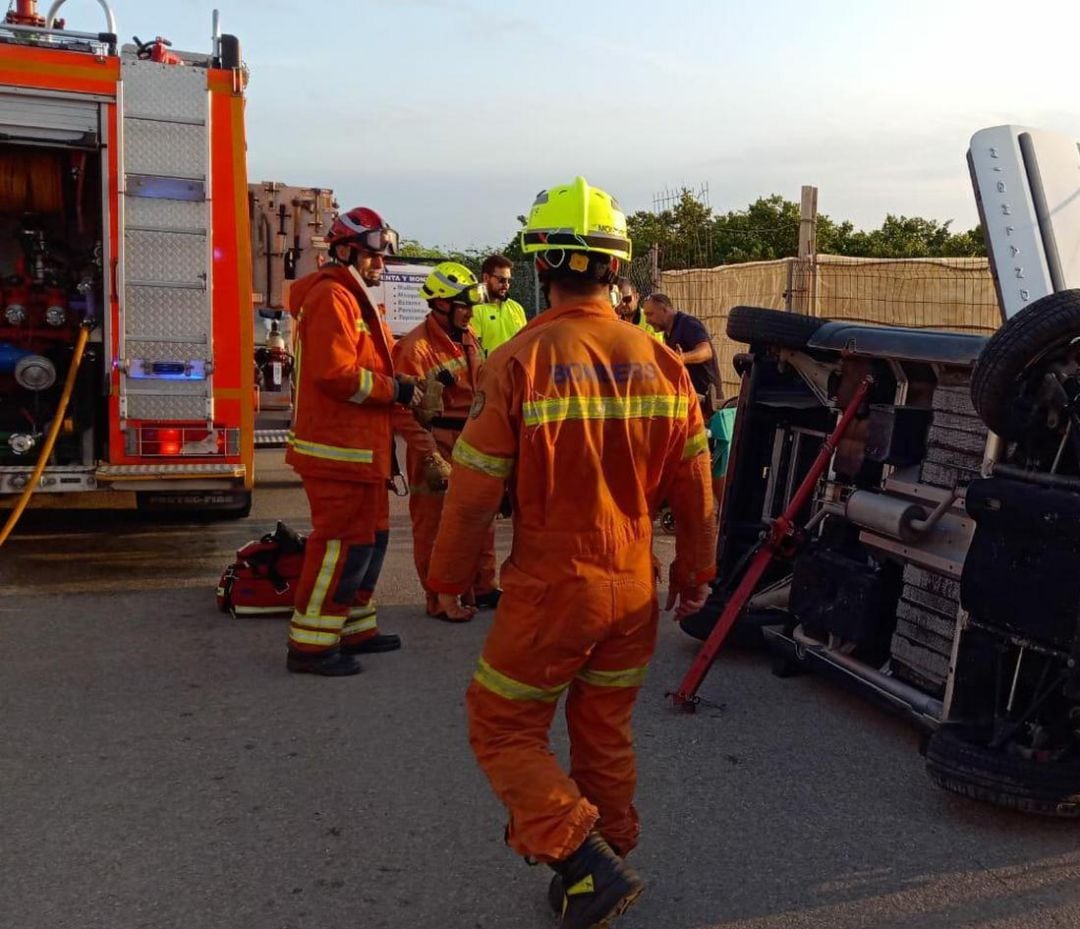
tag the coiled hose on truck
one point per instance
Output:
(50, 439)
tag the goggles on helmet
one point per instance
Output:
(473, 295)
(383, 241)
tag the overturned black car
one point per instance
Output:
(942, 569)
(937, 561)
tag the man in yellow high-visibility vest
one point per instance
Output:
(498, 320)
(630, 310)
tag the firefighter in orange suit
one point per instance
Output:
(592, 423)
(442, 348)
(340, 445)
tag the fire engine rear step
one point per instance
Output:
(146, 472)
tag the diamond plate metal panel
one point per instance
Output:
(164, 91)
(160, 388)
(165, 214)
(169, 149)
(149, 406)
(161, 314)
(166, 351)
(168, 257)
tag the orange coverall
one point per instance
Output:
(425, 349)
(593, 423)
(340, 446)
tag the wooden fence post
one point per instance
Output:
(803, 297)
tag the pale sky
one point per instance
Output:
(448, 116)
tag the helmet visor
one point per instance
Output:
(470, 296)
(473, 295)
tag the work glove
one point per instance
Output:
(408, 390)
(430, 405)
(436, 472)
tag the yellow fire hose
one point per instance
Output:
(50, 439)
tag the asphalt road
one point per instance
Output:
(160, 769)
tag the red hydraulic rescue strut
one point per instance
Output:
(782, 530)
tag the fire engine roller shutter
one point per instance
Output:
(166, 331)
(53, 119)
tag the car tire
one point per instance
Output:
(962, 766)
(754, 325)
(1049, 322)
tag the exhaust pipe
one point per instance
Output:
(897, 692)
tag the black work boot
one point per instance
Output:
(555, 894)
(332, 663)
(488, 601)
(555, 888)
(597, 885)
(383, 642)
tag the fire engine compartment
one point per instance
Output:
(51, 283)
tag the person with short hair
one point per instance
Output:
(687, 336)
(500, 318)
(629, 308)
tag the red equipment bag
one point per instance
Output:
(262, 580)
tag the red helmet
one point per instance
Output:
(364, 227)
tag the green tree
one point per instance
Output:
(691, 235)
(472, 258)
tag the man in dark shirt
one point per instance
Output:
(687, 336)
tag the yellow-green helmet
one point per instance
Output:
(576, 218)
(450, 280)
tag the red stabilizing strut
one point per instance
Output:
(781, 529)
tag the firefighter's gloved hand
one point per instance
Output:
(408, 391)
(430, 404)
(436, 472)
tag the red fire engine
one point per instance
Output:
(125, 270)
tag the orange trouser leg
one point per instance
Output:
(338, 553)
(363, 622)
(426, 510)
(599, 707)
(591, 634)
(485, 567)
(598, 712)
(549, 818)
(602, 757)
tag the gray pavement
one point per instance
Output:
(160, 769)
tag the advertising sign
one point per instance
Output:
(400, 293)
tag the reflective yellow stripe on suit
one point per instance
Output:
(360, 624)
(631, 677)
(307, 637)
(364, 388)
(322, 582)
(330, 452)
(559, 409)
(486, 676)
(493, 465)
(695, 446)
